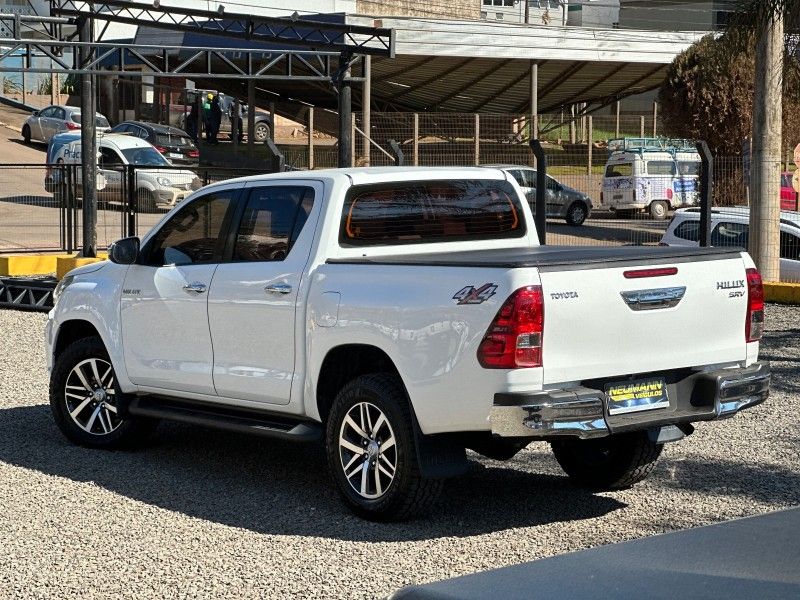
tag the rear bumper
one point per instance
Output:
(581, 412)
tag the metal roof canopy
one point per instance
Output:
(339, 37)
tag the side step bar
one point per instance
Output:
(227, 418)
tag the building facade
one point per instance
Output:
(676, 15)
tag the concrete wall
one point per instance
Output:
(454, 9)
(605, 13)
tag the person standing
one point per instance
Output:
(216, 119)
(207, 116)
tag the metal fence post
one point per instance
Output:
(589, 144)
(477, 139)
(132, 198)
(706, 188)
(641, 126)
(540, 216)
(277, 161)
(416, 139)
(399, 156)
(310, 138)
(68, 200)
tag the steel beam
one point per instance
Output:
(341, 37)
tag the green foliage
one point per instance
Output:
(708, 93)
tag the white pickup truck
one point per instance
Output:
(403, 315)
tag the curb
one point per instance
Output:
(782, 293)
(43, 264)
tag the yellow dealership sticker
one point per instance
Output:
(632, 396)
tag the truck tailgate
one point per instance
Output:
(600, 323)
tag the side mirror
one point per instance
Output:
(124, 251)
(35, 113)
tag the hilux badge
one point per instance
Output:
(472, 295)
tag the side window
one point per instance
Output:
(139, 132)
(790, 246)
(60, 114)
(193, 235)
(689, 169)
(48, 112)
(519, 177)
(272, 221)
(619, 170)
(660, 167)
(109, 158)
(730, 234)
(688, 230)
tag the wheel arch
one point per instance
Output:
(71, 331)
(344, 363)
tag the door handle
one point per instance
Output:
(278, 288)
(196, 287)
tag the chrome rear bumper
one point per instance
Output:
(581, 411)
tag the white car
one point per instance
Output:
(402, 315)
(650, 174)
(44, 124)
(730, 227)
(158, 184)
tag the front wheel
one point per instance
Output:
(26, 134)
(609, 463)
(147, 201)
(85, 399)
(371, 452)
(577, 213)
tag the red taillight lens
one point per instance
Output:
(193, 153)
(161, 149)
(754, 325)
(514, 339)
(72, 126)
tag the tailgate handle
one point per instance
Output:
(654, 299)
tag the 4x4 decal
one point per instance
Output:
(472, 295)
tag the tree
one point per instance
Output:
(708, 92)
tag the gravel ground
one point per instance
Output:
(204, 514)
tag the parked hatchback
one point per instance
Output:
(43, 124)
(157, 184)
(731, 227)
(172, 142)
(789, 198)
(563, 202)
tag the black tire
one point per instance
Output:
(146, 201)
(122, 432)
(609, 463)
(658, 210)
(26, 134)
(261, 132)
(577, 213)
(407, 493)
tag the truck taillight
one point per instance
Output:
(514, 339)
(754, 325)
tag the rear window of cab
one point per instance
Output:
(429, 212)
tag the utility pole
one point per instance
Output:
(527, 10)
(766, 163)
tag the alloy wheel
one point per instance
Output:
(368, 450)
(90, 397)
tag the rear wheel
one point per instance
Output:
(371, 451)
(658, 210)
(26, 134)
(261, 131)
(85, 399)
(577, 213)
(608, 463)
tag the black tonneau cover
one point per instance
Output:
(553, 257)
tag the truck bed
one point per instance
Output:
(552, 257)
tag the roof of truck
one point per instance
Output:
(369, 175)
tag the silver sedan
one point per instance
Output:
(44, 124)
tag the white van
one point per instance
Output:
(651, 174)
(158, 184)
